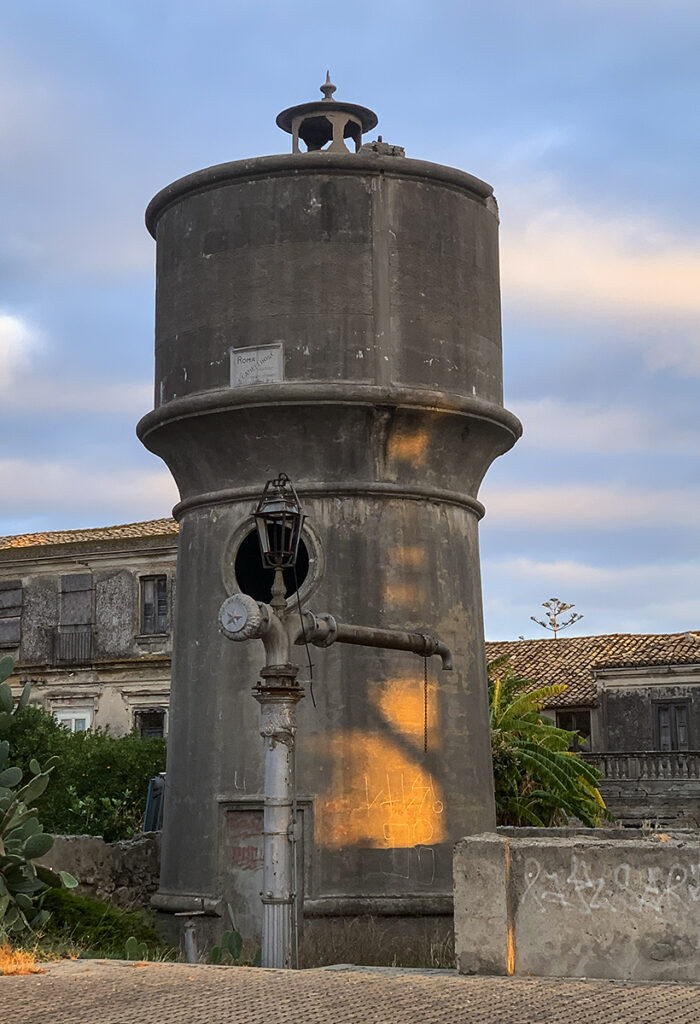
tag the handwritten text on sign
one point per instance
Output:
(261, 365)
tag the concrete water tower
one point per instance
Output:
(334, 315)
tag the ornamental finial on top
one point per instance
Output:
(328, 88)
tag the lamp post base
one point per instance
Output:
(278, 695)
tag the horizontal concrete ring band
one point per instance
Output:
(297, 393)
(311, 163)
(383, 490)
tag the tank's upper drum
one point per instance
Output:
(329, 268)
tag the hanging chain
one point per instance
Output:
(306, 642)
(425, 703)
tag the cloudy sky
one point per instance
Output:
(582, 114)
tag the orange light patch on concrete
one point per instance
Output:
(411, 556)
(377, 797)
(510, 954)
(403, 593)
(411, 448)
(402, 704)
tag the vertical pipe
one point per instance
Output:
(278, 698)
(191, 942)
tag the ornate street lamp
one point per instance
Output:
(279, 520)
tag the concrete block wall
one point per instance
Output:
(600, 903)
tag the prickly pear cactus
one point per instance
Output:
(229, 948)
(135, 950)
(22, 838)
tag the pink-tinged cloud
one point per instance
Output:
(565, 260)
(577, 428)
(43, 487)
(639, 598)
(565, 507)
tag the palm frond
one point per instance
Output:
(539, 779)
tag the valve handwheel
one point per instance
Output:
(240, 617)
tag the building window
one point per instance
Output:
(73, 639)
(75, 719)
(10, 613)
(578, 721)
(150, 721)
(77, 600)
(154, 605)
(671, 720)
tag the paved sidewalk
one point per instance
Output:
(116, 992)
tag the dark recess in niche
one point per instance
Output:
(254, 579)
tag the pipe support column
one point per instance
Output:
(278, 696)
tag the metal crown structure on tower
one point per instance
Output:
(327, 121)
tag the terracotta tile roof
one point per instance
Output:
(151, 528)
(571, 660)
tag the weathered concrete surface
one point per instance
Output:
(673, 803)
(112, 992)
(125, 873)
(579, 905)
(629, 701)
(378, 276)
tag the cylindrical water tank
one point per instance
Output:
(335, 316)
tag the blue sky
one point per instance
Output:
(582, 114)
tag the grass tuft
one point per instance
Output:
(17, 961)
(377, 942)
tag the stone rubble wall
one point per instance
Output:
(598, 903)
(125, 873)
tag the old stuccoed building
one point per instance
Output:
(86, 615)
(334, 315)
(634, 700)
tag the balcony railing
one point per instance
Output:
(72, 646)
(644, 765)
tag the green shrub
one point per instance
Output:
(100, 782)
(33, 732)
(100, 929)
